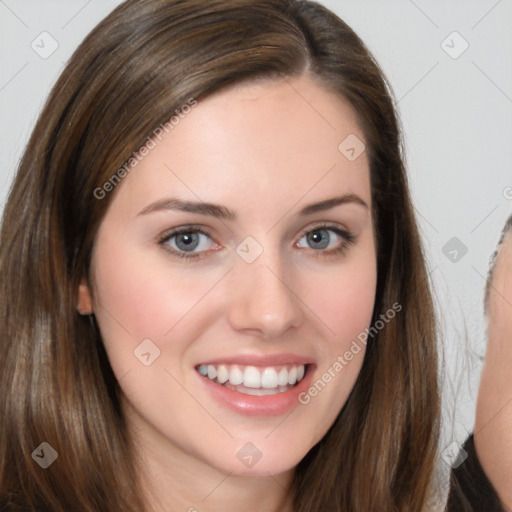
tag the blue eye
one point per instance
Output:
(329, 239)
(319, 239)
(187, 242)
(194, 242)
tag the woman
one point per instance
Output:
(482, 482)
(213, 289)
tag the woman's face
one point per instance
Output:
(493, 423)
(231, 275)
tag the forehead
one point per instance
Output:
(257, 142)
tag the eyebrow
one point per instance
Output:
(331, 203)
(221, 212)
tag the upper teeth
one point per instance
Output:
(254, 377)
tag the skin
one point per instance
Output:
(264, 150)
(493, 423)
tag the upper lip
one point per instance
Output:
(260, 360)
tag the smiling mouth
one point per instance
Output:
(254, 380)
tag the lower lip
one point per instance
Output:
(267, 405)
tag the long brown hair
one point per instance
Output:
(130, 75)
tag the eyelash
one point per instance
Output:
(348, 239)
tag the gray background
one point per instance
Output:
(456, 109)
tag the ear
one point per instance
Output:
(84, 305)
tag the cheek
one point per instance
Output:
(344, 301)
(344, 297)
(139, 298)
(346, 305)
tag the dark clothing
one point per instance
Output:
(470, 490)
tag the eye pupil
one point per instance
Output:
(318, 239)
(187, 241)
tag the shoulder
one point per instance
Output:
(470, 490)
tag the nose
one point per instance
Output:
(263, 302)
